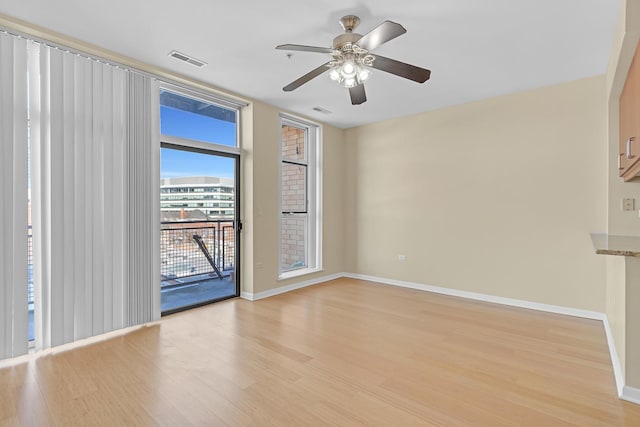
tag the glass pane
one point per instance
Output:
(293, 143)
(189, 118)
(294, 185)
(293, 237)
(197, 234)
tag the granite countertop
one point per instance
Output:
(607, 244)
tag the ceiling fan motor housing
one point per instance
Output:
(346, 39)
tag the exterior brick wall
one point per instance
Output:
(294, 183)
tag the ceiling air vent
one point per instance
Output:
(321, 110)
(187, 59)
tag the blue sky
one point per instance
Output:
(177, 163)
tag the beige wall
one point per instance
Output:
(246, 201)
(266, 151)
(615, 305)
(496, 197)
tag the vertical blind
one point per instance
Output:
(93, 129)
(13, 196)
(79, 133)
(143, 227)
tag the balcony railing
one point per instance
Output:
(180, 256)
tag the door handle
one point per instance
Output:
(629, 141)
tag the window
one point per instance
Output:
(199, 242)
(197, 119)
(299, 198)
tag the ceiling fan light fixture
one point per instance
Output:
(334, 74)
(350, 82)
(348, 69)
(364, 73)
(349, 72)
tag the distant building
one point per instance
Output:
(196, 198)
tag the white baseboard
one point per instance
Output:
(615, 360)
(631, 394)
(288, 288)
(484, 297)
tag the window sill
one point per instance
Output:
(298, 273)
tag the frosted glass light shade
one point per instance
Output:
(364, 73)
(349, 73)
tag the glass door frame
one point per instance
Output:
(228, 152)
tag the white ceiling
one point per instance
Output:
(475, 48)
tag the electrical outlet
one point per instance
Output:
(628, 204)
(402, 258)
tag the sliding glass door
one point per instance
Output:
(199, 199)
(199, 227)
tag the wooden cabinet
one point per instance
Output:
(630, 122)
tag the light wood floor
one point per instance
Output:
(347, 352)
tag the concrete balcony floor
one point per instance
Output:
(179, 293)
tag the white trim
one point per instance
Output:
(319, 179)
(201, 145)
(587, 314)
(203, 95)
(288, 288)
(298, 120)
(615, 360)
(313, 192)
(210, 98)
(297, 273)
(631, 394)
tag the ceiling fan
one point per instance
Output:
(352, 61)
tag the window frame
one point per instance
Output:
(313, 214)
(210, 148)
(211, 99)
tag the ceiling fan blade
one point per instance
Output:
(310, 75)
(384, 32)
(358, 95)
(401, 69)
(302, 48)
